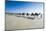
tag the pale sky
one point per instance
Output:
(24, 7)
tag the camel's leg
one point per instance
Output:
(37, 16)
(41, 16)
(34, 16)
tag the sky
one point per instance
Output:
(28, 0)
(23, 7)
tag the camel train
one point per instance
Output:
(32, 14)
(27, 14)
(36, 14)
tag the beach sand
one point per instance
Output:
(14, 22)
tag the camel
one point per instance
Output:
(23, 13)
(27, 14)
(36, 14)
(32, 14)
